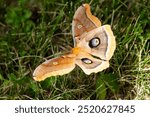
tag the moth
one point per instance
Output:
(94, 45)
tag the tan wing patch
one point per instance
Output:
(54, 67)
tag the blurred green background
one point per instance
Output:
(34, 30)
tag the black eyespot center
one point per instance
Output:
(94, 42)
(86, 61)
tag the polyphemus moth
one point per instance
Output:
(94, 45)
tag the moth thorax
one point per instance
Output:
(77, 50)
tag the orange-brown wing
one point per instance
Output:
(99, 42)
(53, 67)
(90, 64)
(87, 62)
(83, 21)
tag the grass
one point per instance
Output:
(31, 32)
